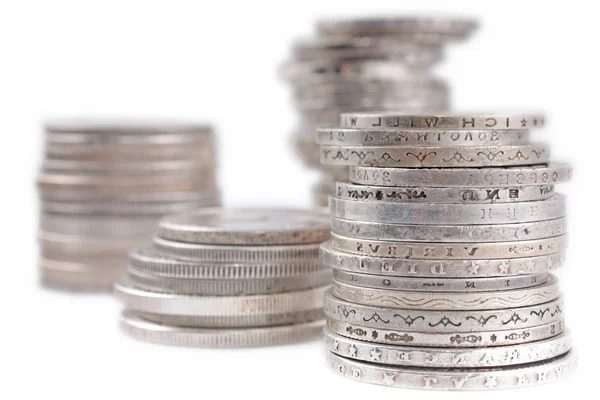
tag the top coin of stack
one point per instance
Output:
(104, 185)
(442, 246)
(228, 278)
(365, 65)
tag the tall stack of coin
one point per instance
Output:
(365, 65)
(228, 278)
(442, 246)
(103, 187)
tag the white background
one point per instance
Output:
(217, 61)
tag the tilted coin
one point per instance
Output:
(432, 137)
(426, 194)
(450, 251)
(448, 28)
(150, 261)
(458, 268)
(435, 157)
(439, 285)
(175, 304)
(233, 253)
(382, 100)
(467, 338)
(227, 287)
(460, 177)
(447, 300)
(440, 121)
(507, 377)
(246, 227)
(202, 337)
(417, 85)
(447, 358)
(448, 233)
(449, 213)
(443, 320)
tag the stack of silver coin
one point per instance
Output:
(442, 246)
(103, 187)
(228, 278)
(365, 65)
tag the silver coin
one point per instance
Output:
(448, 28)
(176, 304)
(450, 251)
(466, 339)
(439, 268)
(93, 169)
(233, 253)
(413, 54)
(433, 137)
(448, 233)
(149, 261)
(203, 337)
(440, 284)
(449, 213)
(412, 102)
(413, 300)
(75, 276)
(511, 377)
(433, 357)
(239, 321)
(435, 157)
(550, 174)
(441, 121)
(443, 320)
(125, 126)
(227, 287)
(246, 227)
(425, 194)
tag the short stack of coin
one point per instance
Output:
(365, 65)
(442, 246)
(228, 278)
(104, 186)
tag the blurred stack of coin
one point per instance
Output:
(103, 187)
(442, 246)
(365, 65)
(228, 278)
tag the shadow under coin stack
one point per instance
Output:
(228, 278)
(442, 246)
(104, 186)
(365, 65)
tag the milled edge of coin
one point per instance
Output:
(456, 379)
(427, 194)
(467, 339)
(437, 285)
(436, 357)
(228, 287)
(203, 337)
(435, 157)
(448, 233)
(229, 253)
(300, 226)
(442, 320)
(164, 303)
(411, 300)
(150, 261)
(450, 250)
(477, 121)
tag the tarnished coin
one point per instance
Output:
(246, 227)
